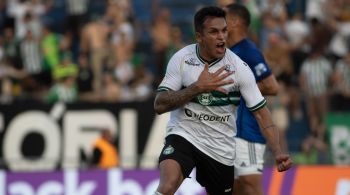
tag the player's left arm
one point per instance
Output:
(257, 104)
(271, 134)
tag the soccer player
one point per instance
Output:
(250, 142)
(201, 89)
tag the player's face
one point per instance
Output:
(212, 40)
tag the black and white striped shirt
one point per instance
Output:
(31, 56)
(317, 73)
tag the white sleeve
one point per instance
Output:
(248, 87)
(173, 76)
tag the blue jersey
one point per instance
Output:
(247, 126)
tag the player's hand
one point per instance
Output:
(208, 82)
(283, 162)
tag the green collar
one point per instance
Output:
(203, 60)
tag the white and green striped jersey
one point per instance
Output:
(208, 121)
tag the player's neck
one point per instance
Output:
(235, 37)
(205, 56)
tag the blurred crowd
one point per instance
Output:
(102, 56)
(88, 57)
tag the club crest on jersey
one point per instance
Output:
(168, 150)
(228, 68)
(205, 99)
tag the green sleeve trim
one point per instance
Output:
(258, 106)
(163, 88)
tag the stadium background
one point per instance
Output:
(70, 67)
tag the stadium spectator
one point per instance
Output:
(11, 48)
(141, 84)
(276, 8)
(316, 9)
(85, 79)
(296, 31)
(112, 90)
(50, 51)
(94, 42)
(18, 9)
(9, 77)
(341, 99)
(105, 154)
(270, 25)
(64, 89)
(77, 12)
(176, 42)
(161, 38)
(30, 23)
(278, 56)
(31, 60)
(315, 79)
(3, 15)
(319, 37)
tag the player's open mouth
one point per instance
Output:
(220, 47)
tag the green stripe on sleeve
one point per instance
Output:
(258, 106)
(163, 88)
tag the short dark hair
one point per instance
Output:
(204, 13)
(241, 11)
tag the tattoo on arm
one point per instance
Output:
(269, 126)
(170, 100)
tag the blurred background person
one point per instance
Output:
(64, 88)
(341, 79)
(105, 154)
(315, 78)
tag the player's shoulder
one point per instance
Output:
(233, 58)
(249, 54)
(186, 51)
(251, 50)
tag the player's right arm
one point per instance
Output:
(170, 100)
(170, 96)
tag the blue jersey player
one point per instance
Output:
(250, 141)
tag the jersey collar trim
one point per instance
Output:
(204, 61)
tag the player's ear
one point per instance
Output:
(198, 36)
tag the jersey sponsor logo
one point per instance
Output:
(206, 117)
(260, 69)
(205, 99)
(192, 62)
(168, 150)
